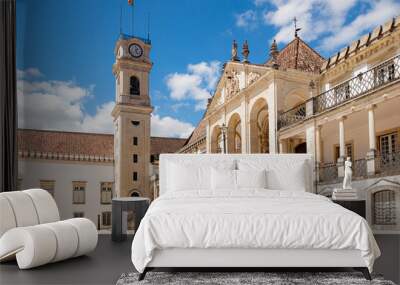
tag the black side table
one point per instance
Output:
(357, 206)
(122, 205)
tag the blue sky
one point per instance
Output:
(65, 51)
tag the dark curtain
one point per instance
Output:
(8, 98)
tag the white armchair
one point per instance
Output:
(31, 230)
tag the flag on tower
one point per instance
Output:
(130, 2)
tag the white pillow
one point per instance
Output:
(281, 174)
(292, 178)
(251, 178)
(223, 179)
(188, 177)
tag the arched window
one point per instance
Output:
(134, 86)
(135, 194)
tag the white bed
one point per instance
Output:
(230, 226)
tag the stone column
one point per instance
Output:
(318, 151)
(342, 145)
(371, 127)
(208, 138)
(318, 154)
(310, 103)
(371, 154)
(310, 140)
(243, 126)
(283, 146)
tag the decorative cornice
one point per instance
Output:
(65, 157)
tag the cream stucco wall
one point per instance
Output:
(64, 173)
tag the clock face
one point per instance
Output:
(135, 50)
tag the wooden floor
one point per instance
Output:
(110, 260)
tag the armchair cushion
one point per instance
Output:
(31, 232)
(41, 244)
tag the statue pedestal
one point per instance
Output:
(344, 194)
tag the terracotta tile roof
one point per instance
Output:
(84, 143)
(165, 145)
(198, 133)
(298, 55)
(65, 142)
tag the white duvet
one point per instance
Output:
(250, 219)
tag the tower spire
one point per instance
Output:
(273, 52)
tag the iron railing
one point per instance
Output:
(388, 163)
(328, 172)
(292, 116)
(374, 78)
(360, 168)
(127, 37)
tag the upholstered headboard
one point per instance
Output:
(210, 159)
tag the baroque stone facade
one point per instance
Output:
(344, 106)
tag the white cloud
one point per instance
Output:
(101, 121)
(59, 105)
(29, 72)
(260, 2)
(197, 84)
(327, 20)
(379, 13)
(56, 105)
(247, 19)
(170, 127)
(176, 107)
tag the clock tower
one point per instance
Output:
(131, 116)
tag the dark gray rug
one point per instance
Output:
(243, 278)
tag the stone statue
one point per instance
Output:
(252, 77)
(235, 82)
(245, 51)
(232, 84)
(348, 173)
(234, 52)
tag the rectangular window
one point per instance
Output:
(135, 176)
(135, 141)
(106, 219)
(154, 158)
(348, 151)
(387, 148)
(106, 192)
(135, 123)
(79, 192)
(135, 158)
(79, 214)
(48, 185)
